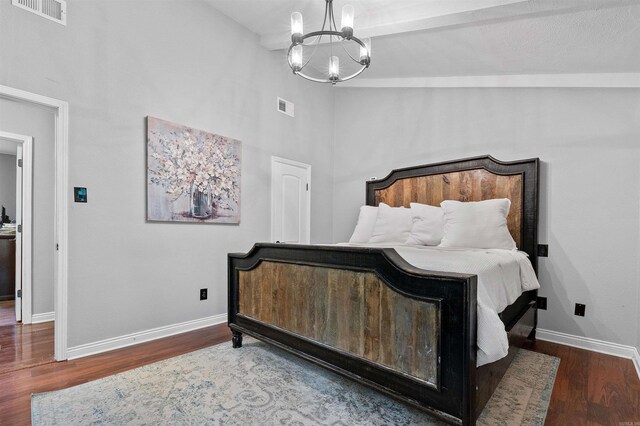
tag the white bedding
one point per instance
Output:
(502, 277)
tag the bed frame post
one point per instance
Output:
(232, 302)
(469, 389)
(236, 340)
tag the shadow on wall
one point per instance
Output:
(555, 271)
(558, 272)
(554, 274)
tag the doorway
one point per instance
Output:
(62, 193)
(290, 201)
(16, 233)
(22, 344)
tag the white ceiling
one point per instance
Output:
(424, 38)
(271, 18)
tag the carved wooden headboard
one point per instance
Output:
(471, 179)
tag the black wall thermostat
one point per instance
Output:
(80, 194)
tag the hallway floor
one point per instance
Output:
(22, 345)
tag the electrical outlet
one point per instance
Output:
(579, 309)
(203, 294)
(541, 303)
(543, 250)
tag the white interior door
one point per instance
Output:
(24, 173)
(18, 293)
(290, 201)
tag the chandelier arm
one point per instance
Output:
(324, 21)
(331, 33)
(319, 33)
(307, 61)
(339, 37)
(349, 54)
(315, 48)
(333, 19)
(354, 75)
(339, 80)
(361, 43)
(317, 80)
(330, 7)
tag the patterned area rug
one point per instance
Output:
(260, 384)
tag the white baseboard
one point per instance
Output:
(142, 336)
(43, 317)
(594, 345)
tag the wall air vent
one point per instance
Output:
(55, 10)
(285, 107)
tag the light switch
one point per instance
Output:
(80, 194)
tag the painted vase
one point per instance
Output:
(201, 202)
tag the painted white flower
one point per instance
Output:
(183, 159)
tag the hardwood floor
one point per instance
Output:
(590, 388)
(7, 312)
(22, 345)
(16, 387)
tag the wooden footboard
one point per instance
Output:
(367, 314)
(354, 312)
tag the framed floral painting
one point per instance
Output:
(192, 175)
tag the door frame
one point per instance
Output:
(24, 248)
(61, 141)
(288, 162)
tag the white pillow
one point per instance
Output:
(481, 224)
(428, 225)
(364, 227)
(393, 225)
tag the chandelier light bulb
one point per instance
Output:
(347, 20)
(365, 52)
(334, 68)
(296, 26)
(296, 58)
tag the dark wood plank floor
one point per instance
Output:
(16, 387)
(22, 345)
(590, 388)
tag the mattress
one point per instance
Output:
(503, 275)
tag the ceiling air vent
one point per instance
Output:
(55, 10)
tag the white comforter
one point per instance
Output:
(502, 277)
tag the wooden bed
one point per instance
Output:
(369, 315)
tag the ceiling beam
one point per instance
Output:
(507, 9)
(587, 80)
(418, 22)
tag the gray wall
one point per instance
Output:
(8, 184)
(587, 140)
(119, 61)
(38, 122)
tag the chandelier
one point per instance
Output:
(296, 54)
